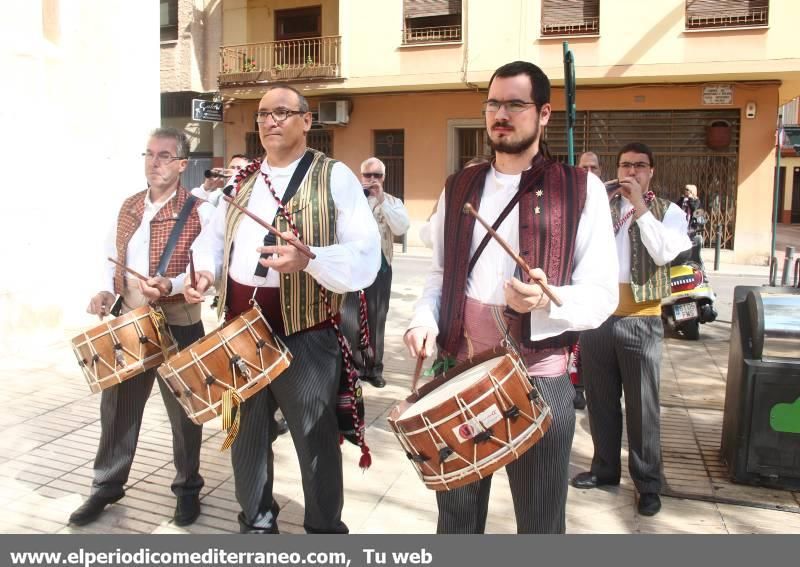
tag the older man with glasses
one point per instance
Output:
(140, 239)
(623, 355)
(313, 198)
(392, 219)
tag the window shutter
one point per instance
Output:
(570, 16)
(721, 13)
(427, 8)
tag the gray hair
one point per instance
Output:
(301, 100)
(374, 161)
(181, 141)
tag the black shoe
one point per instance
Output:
(187, 510)
(588, 479)
(282, 426)
(579, 401)
(649, 504)
(376, 381)
(90, 510)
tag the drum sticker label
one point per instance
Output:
(483, 420)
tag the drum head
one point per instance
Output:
(451, 387)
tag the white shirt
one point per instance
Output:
(588, 299)
(663, 240)
(392, 219)
(138, 251)
(348, 265)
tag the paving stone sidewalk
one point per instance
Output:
(51, 429)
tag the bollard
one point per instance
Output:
(405, 243)
(773, 270)
(797, 273)
(717, 246)
(787, 265)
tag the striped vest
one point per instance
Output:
(314, 214)
(649, 281)
(547, 239)
(128, 221)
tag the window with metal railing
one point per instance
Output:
(431, 21)
(715, 14)
(570, 17)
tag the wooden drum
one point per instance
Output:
(463, 426)
(243, 355)
(121, 348)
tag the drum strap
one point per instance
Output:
(487, 237)
(174, 235)
(291, 189)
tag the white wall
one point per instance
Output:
(76, 115)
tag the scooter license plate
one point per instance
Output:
(684, 311)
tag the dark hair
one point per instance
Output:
(303, 103)
(240, 156)
(540, 84)
(638, 148)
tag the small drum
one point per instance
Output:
(121, 348)
(243, 355)
(463, 426)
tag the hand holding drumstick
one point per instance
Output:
(521, 297)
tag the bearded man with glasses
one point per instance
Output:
(138, 239)
(313, 198)
(557, 218)
(623, 355)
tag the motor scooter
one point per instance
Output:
(692, 299)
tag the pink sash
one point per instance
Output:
(485, 327)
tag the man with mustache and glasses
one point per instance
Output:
(624, 353)
(301, 192)
(557, 217)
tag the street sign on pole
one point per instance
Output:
(206, 110)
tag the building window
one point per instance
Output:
(570, 17)
(169, 20)
(711, 14)
(431, 21)
(298, 24)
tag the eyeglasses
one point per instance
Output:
(370, 175)
(512, 106)
(163, 157)
(278, 115)
(638, 166)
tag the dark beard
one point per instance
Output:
(505, 147)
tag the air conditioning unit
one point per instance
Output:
(334, 112)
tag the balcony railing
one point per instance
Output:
(431, 35)
(730, 19)
(585, 26)
(297, 59)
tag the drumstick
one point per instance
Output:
(517, 258)
(192, 275)
(127, 269)
(305, 250)
(418, 369)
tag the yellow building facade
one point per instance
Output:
(404, 80)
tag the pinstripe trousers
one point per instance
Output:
(378, 295)
(623, 355)
(306, 394)
(538, 479)
(121, 410)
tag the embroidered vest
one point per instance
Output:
(547, 239)
(128, 221)
(314, 213)
(649, 281)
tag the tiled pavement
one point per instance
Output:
(51, 427)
